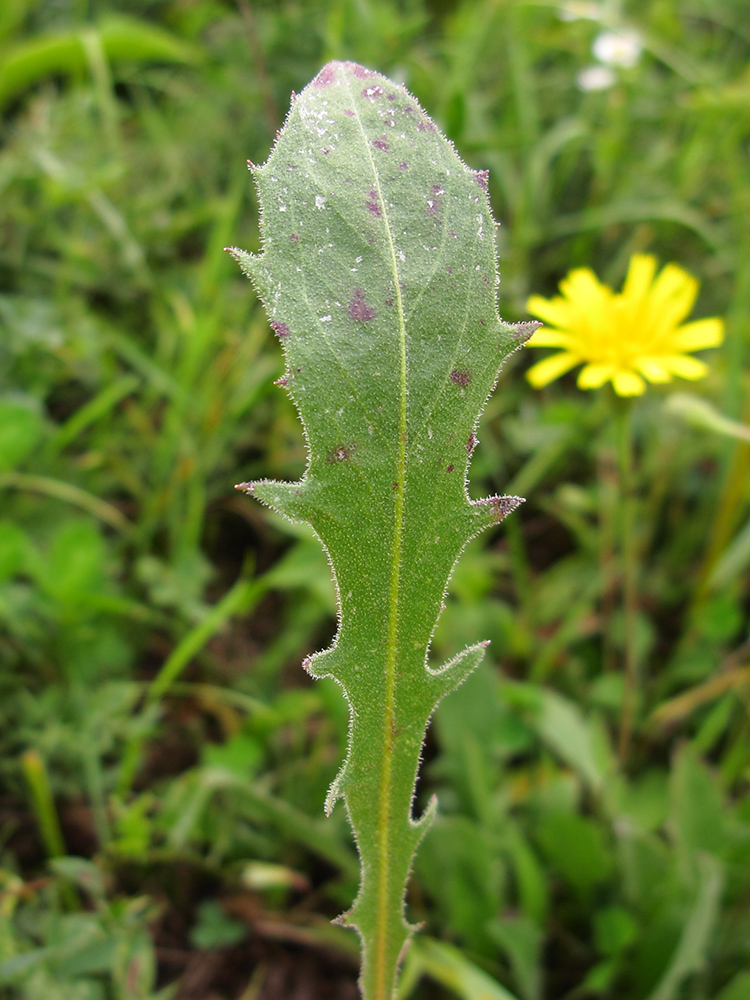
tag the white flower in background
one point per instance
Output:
(574, 10)
(618, 48)
(595, 78)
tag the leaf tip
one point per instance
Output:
(522, 331)
(500, 506)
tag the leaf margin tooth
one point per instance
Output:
(450, 675)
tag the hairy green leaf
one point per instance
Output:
(378, 273)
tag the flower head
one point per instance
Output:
(618, 48)
(593, 78)
(623, 337)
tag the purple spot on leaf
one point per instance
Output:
(280, 329)
(471, 443)
(341, 453)
(380, 144)
(358, 308)
(374, 208)
(480, 177)
(449, 270)
(327, 75)
(403, 165)
(280, 381)
(348, 113)
(460, 376)
(294, 238)
(360, 72)
(373, 91)
(392, 97)
(450, 468)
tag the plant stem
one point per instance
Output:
(43, 804)
(609, 493)
(629, 568)
(48, 821)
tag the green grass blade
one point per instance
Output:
(448, 967)
(65, 53)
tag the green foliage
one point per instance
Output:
(378, 274)
(137, 371)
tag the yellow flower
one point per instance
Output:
(623, 337)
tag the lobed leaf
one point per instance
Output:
(378, 273)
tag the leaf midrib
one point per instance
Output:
(384, 805)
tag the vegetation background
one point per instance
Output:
(163, 758)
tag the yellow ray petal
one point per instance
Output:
(672, 296)
(684, 366)
(628, 383)
(595, 318)
(555, 311)
(654, 369)
(584, 290)
(594, 376)
(547, 371)
(641, 271)
(547, 337)
(698, 335)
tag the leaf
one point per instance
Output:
(575, 846)
(76, 561)
(458, 867)
(561, 724)
(20, 429)
(447, 966)
(700, 413)
(66, 52)
(733, 562)
(573, 737)
(214, 928)
(692, 951)
(378, 273)
(697, 816)
(14, 545)
(522, 939)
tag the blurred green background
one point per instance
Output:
(163, 758)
